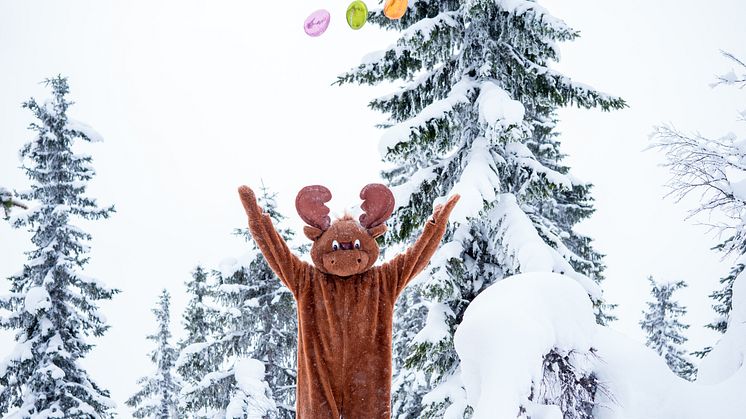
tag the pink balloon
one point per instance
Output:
(317, 22)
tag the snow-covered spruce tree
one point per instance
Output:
(714, 169)
(476, 116)
(158, 394)
(724, 299)
(258, 321)
(8, 202)
(723, 304)
(664, 332)
(199, 321)
(52, 306)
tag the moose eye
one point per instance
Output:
(357, 244)
(335, 245)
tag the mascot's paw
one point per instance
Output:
(248, 199)
(443, 211)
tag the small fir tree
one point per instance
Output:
(723, 304)
(724, 299)
(52, 306)
(199, 321)
(158, 394)
(664, 330)
(258, 321)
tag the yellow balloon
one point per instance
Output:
(395, 9)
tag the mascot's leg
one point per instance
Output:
(368, 394)
(316, 399)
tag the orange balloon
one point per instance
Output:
(395, 9)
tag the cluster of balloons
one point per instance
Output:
(357, 14)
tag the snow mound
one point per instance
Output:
(509, 327)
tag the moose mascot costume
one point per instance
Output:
(345, 304)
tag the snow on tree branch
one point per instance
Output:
(732, 78)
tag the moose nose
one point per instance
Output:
(346, 245)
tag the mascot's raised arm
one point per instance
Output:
(345, 304)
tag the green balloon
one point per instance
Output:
(357, 14)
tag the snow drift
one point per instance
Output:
(509, 328)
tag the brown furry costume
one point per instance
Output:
(345, 305)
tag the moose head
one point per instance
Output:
(344, 247)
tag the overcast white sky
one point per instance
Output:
(195, 98)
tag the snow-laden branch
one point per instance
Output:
(733, 78)
(402, 133)
(523, 250)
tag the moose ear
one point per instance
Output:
(312, 233)
(377, 231)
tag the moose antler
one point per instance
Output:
(378, 204)
(310, 206)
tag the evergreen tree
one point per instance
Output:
(199, 321)
(52, 305)
(476, 116)
(664, 330)
(158, 395)
(258, 321)
(724, 299)
(723, 304)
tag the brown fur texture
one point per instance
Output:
(345, 307)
